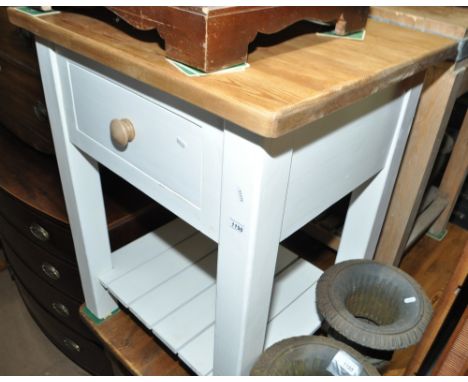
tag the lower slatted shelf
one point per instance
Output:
(167, 279)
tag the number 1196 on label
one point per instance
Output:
(236, 226)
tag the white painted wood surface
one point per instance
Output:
(179, 307)
(240, 190)
(82, 190)
(369, 202)
(333, 156)
(175, 157)
(254, 187)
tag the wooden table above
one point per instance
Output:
(287, 85)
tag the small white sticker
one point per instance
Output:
(236, 226)
(343, 364)
(409, 300)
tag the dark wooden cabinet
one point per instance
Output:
(34, 229)
(38, 243)
(87, 354)
(22, 106)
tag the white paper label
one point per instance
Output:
(343, 364)
(409, 300)
(236, 226)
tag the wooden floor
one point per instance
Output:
(430, 262)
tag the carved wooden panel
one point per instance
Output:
(212, 38)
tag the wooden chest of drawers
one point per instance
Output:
(39, 247)
(22, 109)
(33, 220)
(34, 226)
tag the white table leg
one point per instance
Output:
(369, 202)
(83, 195)
(254, 185)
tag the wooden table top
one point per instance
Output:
(445, 21)
(288, 84)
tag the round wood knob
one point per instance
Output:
(122, 131)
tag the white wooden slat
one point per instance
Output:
(146, 247)
(182, 304)
(198, 354)
(161, 301)
(179, 327)
(290, 283)
(293, 302)
(151, 274)
(191, 319)
(300, 318)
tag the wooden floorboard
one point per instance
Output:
(134, 347)
(431, 263)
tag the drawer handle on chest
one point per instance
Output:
(39, 232)
(40, 111)
(122, 132)
(50, 271)
(72, 345)
(60, 309)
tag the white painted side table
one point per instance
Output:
(233, 164)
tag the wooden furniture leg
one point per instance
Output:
(453, 178)
(81, 183)
(252, 206)
(438, 97)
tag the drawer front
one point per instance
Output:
(22, 109)
(56, 303)
(85, 353)
(166, 147)
(55, 272)
(175, 156)
(43, 232)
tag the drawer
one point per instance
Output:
(174, 157)
(56, 303)
(54, 271)
(85, 353)
(46, 233)
(23, 109)
(17, 44)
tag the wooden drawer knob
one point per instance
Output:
(122, 131)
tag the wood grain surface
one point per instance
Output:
(454, 177)
(446, 21)
(288, 84)
(432, 264)
(212, 38)
(437, 100)
(454, 359)
(442, 309)
(133, 346)
(17, 44)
